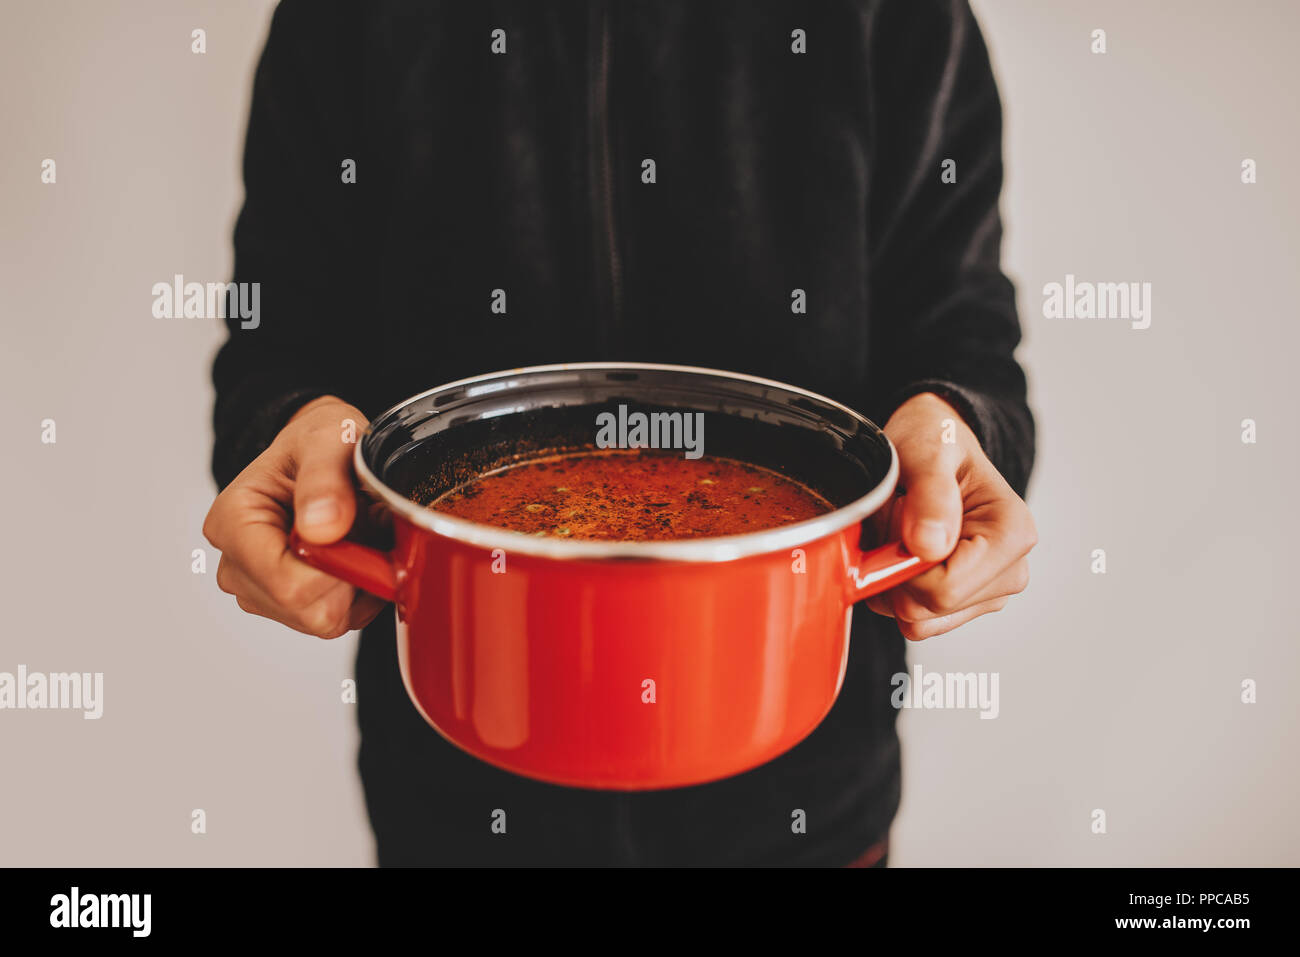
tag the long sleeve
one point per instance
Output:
(944, 314)
(295, 236)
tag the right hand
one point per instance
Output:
(304, 478)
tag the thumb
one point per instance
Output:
(324, 499)
(932, 510)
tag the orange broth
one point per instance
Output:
(633, 495)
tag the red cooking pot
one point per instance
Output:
(624, 665)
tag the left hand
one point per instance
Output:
(957, 507)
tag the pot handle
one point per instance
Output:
(360, 565)
(870, 573)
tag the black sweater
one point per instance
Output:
(524, 171)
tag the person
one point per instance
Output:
(807, 193)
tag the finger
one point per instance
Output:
(932, 507)
(906, 606)
(998, 532)
(338, 611)
(324, 503)
(253, 596)
(885, 524)
(259, 548)
(325, 616)
(898, 603)
(365, 609)
(882, 604)
(920, 630)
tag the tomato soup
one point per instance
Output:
(633, 496)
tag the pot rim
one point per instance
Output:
(694, 550)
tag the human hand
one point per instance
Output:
(305, 477)
(957, 508)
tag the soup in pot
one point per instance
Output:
(633, 495)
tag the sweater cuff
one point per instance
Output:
(265, 423)
(276, 414)
(972, 406)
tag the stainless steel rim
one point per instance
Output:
(723, 549)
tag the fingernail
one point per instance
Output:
(320, 512)
(931, 536)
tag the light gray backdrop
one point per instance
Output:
(1119, 692)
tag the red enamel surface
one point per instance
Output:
(541, 665)
(542, 668)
